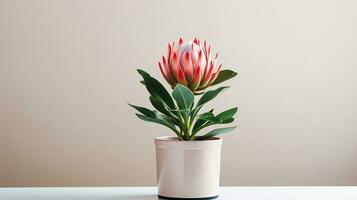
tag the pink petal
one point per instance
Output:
(178, 50)
(187, 66)
(196, 78)
(215, 60)
(202, 62)
(207, 77)
(181, 78)
(200, 55)
(209, 52)
(208, 57)
(175, 66)
(180, 41)
(163, 74)
(195, 41)
(194, 56)
(214, 75)
(166, 66)
(205, 48)
(169, 51)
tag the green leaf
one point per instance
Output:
(215, 132)
(198, 125)
(224, 75)
(205, 116)
(158, 121)
(159, 105)
(143, 110)
(227, 121)
(201, 122)
(209, 95)
(162, 117)
(206, 97)
(227, 114)
(209, 117)
(156, 89)
(183, 96)
(185, 113)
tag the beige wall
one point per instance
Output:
(67, 70)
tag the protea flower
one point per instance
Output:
(191, 65)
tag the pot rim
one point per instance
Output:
(175, 139)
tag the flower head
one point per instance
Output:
(190, 64)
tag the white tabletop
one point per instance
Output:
(150, 193)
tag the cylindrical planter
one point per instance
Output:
(188, 169)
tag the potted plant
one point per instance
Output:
(188, 164)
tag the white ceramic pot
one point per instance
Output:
(188, 169)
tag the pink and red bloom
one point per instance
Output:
(190, 64)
